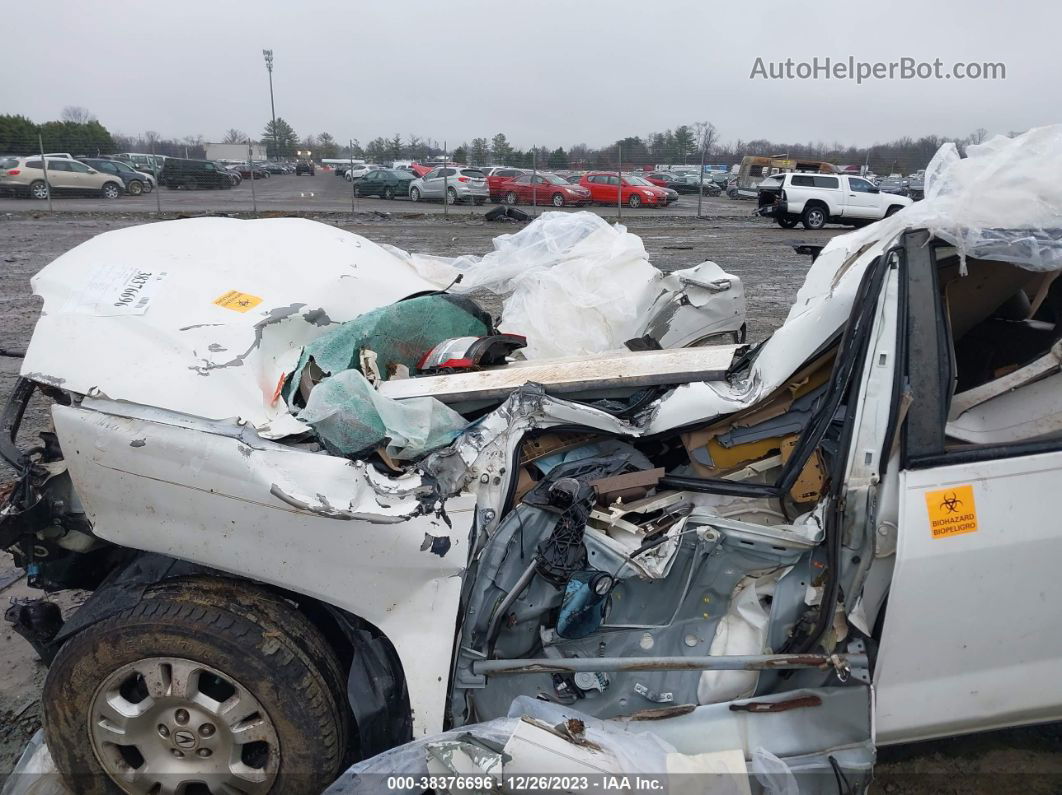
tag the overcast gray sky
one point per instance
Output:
(549, 72)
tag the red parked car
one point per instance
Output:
(544, 189)
(497, 176)
(633, 191)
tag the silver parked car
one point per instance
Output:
(453, 182)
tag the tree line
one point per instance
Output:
(78, 131)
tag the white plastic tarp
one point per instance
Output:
(578, 284)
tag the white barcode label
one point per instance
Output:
(116, 290)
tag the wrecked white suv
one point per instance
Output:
(760, 560)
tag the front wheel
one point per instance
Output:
(635, 201)
(39, 189)
(192, 685)
(892, 210)
(414, 194)
(558, 200)
(111, 191)
(814, 217)
(135, 188)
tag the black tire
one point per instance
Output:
(451, 196)
(557, 199)
(814, 217)
(388, 193)
(189, 184)
(635, 201)
(511, 198)
(237, 629)
(414, 194)
(893, 210)
(38, 189)
(135, 187)
(111, 190)
(733, 193)
(787, 221)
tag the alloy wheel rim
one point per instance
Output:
(162, 723)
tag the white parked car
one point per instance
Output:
(818, 199)
(765, 561)
(359, 170)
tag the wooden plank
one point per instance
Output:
(587, 374)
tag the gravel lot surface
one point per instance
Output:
(1018, 760)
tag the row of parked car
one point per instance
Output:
(117, 175)
(504, 184)
(37, 176)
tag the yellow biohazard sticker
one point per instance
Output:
(237, 301)
(951, 511)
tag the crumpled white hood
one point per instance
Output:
(204, 316)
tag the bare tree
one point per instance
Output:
(706, 136)
(77, 114)
(235, 136)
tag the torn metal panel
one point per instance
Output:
(181, 346)
(333, 529)
(696, 304)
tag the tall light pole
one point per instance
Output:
(272, 106)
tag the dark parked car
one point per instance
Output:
(385, 183)
(304, 167)
(246, 170)
(136, 182)
(193, 174)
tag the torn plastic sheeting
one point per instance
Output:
(35, 772)
(496, 747)
(578, 284)
(177, 347)
(352, 418)
(398, 334)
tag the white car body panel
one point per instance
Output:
(205, 497)
(970, 640)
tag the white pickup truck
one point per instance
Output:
(818, 199)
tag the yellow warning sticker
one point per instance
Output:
(237, 301)
(951, 511)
